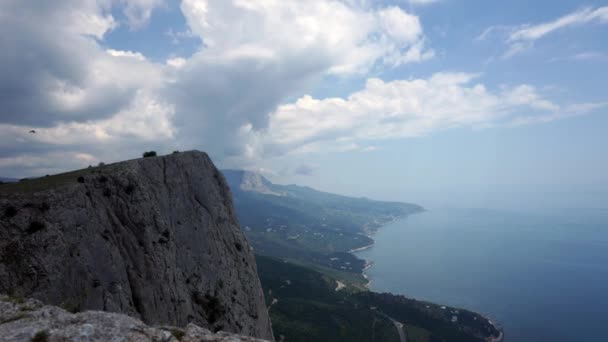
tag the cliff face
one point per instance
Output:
(156, 238)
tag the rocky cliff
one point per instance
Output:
(156, 238)
(28, 320)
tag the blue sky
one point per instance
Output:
(392, 99)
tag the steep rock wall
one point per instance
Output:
(156, 238)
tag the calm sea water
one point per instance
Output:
(543, 276)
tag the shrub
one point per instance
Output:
(103, 179)
(101, 164)
(10, 211)
(44, 207)
(149, 154)
(41, 336)
(129, 189)
(80, 179)
(35, 226)
(211, 304)
(178, 333)
(175, 152)
(107, 192)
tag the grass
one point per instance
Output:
(44, 183)
(416, 334)
(354, 282)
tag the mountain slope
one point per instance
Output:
(307, 307)
(156, 238)
(306, 225)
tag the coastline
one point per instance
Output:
(370, 234)
(369, 264)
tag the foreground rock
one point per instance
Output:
(28, 320)
(156, 238)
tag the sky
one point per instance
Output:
(398, 99)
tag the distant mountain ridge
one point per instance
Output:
(8, 180)
(249, 181)
(310, 226)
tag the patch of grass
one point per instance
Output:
(416, 334)
(45, 183)
(41, 336)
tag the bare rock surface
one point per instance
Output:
(156, 238)
(29, 320)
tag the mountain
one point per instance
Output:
(309, 226)
(314, 286)
(156, 238)
(8, 180)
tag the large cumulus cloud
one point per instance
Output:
(89, 102)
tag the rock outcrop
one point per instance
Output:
(28, 320)
(155, 238)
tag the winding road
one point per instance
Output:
(398, 325)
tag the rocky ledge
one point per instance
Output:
(29, 320)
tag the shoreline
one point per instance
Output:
(369, 264)
(370, 234)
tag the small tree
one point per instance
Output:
(149, 154)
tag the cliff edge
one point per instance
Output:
(26, 320)
(156, 238)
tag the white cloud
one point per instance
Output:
(522, 37)
(583, 16)
(129, 54)
(406, 108)
(422, 2)
(86, 99)
(138, 12)
(176, 62)
(344, 37)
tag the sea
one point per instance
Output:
(542, 275)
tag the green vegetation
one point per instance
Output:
(178, 333)
(41, 336)
(303, 238)
(35, 226)
(310, 227)
(44, 183)
(305, 306)
(10, 211)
